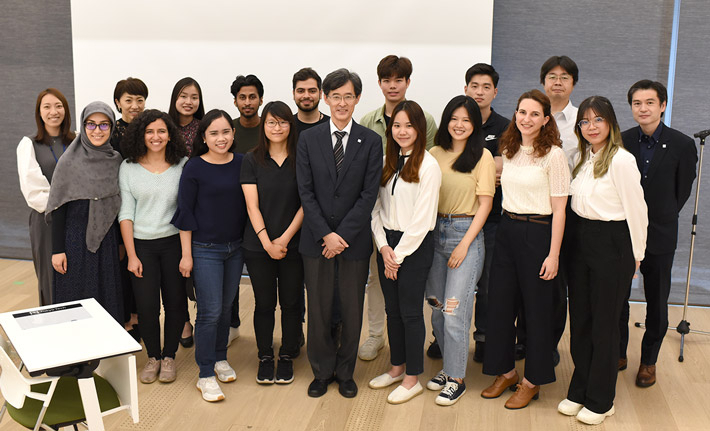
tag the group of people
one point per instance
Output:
(507, 218)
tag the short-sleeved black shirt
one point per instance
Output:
(278, 198)
(492, 129)
(301, 126)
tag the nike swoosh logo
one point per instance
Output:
(490, 137)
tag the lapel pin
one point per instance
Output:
(359, 140)
(664, 145)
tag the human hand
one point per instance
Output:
(185, 266)
(548, 271)
(135, 266)
(457, 256)
(59, 262)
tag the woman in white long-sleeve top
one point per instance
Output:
(403, 221)
(608, 245)
(36, 158)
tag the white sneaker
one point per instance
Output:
(369, 349)
(210, 389)
(233, 335)
(225, 373)
(384, 380)
(590, 418)
(437, 382)
(569, 408)
(402, 395)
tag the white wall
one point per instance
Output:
(161, 41)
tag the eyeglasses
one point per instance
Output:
(565, 78)
(272, 123)
(337, 98)
(584, 124)
(102, 126)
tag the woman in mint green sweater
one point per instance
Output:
(149, 179)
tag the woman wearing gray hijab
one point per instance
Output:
(83, 204)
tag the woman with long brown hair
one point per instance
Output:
(37, 157)
(403, 221)
(535, 184)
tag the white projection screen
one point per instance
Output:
(161, 41)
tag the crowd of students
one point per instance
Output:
(506, 218)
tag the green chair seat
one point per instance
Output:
(65, 407)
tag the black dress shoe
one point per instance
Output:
(318, 388)
(187, 341)
(434, 351)
(348, 388)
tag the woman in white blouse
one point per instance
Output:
(37, 155)
(608, 245)
(535, 184)
(403, 219)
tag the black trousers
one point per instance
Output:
(520, 249)
(320, 274)
(600, 271)
(404, 298)
(656, 271)
(160, 259)
(276, 281)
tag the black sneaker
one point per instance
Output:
(284, 371)
(478, 354)
(265, 375)
(451, 393)
(434, 351)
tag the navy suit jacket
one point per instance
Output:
(668, 184)
(340, 203)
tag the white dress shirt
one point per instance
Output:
(346, 129)
(33, 183)
(411, 209)
(565, 123)
(615, 196)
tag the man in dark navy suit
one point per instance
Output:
(666, 159)
(338, 167)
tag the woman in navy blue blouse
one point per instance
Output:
(211, 215)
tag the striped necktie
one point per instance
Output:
(338, 151)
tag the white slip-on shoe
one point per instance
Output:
(402, 395)
(569, 408)
(590, 418)
(384, 380)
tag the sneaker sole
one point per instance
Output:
(434, 387)
(264, 381)
(219, 398)
(448, 402)
(283, 382)
(147, 382)
(600, 419)
(167, 380)
(405, 400)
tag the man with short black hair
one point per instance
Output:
(393, 77)
(338, 167)
(559, 75)
(482, 86)
(248, 92)
(667, 160)
(307, 93)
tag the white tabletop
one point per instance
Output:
(64, 334)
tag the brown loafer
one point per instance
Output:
(646, 376)
(522, 397)
(499, 386)
(623, 363)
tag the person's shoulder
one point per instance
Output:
(676, 136)
(623, 156)
(499, 119)
(632, 133)
(322, 129)
(367, 133)
(25, 142)
(429, 118)
(368, 120)
(436, 151)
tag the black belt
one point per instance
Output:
(535, 218)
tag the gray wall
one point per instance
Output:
(35, 53)
(615, 44)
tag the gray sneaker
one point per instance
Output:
(150, 371)
(168, 373)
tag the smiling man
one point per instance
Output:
(393, 77)
(559, 75)
(248, 92)
(338, 168)
(307, 93)
(666, 159)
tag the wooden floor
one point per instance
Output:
(679, 401)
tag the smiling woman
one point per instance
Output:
(129, 97)
(83, 203)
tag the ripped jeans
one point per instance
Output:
(451, 292)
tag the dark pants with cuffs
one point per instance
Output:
(323, 277)
(160, 259)
(481, 310)
(276, 281)
(656, 271)
(600, 272)
(520, 249)
(403, 303)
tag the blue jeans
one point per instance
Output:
(450, 292)
(217, 270)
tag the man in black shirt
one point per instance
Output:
(482, 86)
(248, 92)
(307, 94)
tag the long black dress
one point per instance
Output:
(89, 275)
